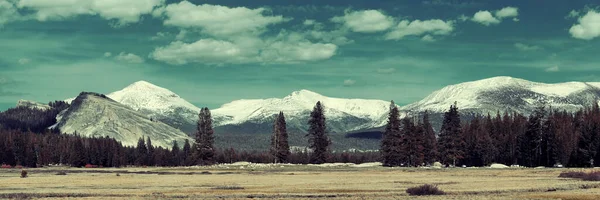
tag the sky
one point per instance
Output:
(211, 52)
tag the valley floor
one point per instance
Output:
(291, 182)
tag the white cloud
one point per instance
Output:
(8, 12)
(309, 22)
(588, 27)
(366, 21)
(219, 20)
(349, 82)
(507, 12)
(129, 57)
(107, 54)
(525, 47)
(418, 27)
(463, 18)
(428, 38)
(124, 12)
(289, 49)
(293, 52)
(201, 51)
(24, 61)
(552, 69)
(485, 17)
(573, 14)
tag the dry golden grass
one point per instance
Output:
(292, 182)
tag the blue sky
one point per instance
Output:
(212, 52)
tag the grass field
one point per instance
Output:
(291, 182)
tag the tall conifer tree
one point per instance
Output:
(451, 143)
(317, 136)
(430, 143)
(280, 149)
(204, 152)
(391, 141)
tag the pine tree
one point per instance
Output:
(430, 142)
(530, 148)
(391, 141)
(150, 156)
(413, 142)
(141, 153)
(280, 148)
(318, 140)
(186, 155)
(451, 144)
(175, 154)
(204, 151)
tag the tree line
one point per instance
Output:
(544, 138)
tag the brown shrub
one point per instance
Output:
(424, 190)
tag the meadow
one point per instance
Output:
(269, 181)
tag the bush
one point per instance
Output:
(5, 166)
(592, 176)
(91, 166)
(424, 190)
(579, 175)
(23, 173)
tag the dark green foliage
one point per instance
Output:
(141, 153)
(391, 142)
(280, 149)
(430, 151)
(317, 136)
(451, 143)
(29, 119)
(204, 151)
(412, 143)
(530, 146)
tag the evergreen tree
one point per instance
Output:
(186, 155)
(318, 140)
(204, 151)
(150, 159)
(430, 142)
(391, 141)
(413, 142)
(175, 154)
(530, 149)
(280, 148)
(141, 153)
(77, 157)
(451, 144)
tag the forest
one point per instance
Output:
(545, 138)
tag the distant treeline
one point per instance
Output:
(544, 138)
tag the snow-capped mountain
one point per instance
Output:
(507, 94)
(95, 115)
(157, 103)
(250, 115)
(342, 115)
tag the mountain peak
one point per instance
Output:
(143, 85)
(306, 93)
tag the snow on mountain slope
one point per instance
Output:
(297, 107)
(508, 94)
(92, 115)
(142, 95)
(157, 103)
(33, 104)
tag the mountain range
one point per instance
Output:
(253, 118)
